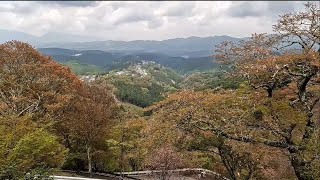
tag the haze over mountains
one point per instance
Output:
(115, 60)
(185, 47)
(51, 37)
(184, 55)
(181, 54)
(192, 46)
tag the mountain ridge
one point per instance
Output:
(113, 60)
(190, 46)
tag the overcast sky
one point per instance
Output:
(157, 20)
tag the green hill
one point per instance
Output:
(143, 83)
(82, 68)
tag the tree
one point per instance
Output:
(254, 60)
(300, 28)
(32, 83)
(24, 147)
(90, 115)
(164, 159)
(194, 111)
(239, 165)
(126, 139)
(38, 149)
(35, 92)
(276, 72)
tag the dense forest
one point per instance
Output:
(257, 117)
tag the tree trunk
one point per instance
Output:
(270, 91)
(302, 86)
(121, 161)
(301, 167)
(122, 154)
(89, 160)
(226, 164)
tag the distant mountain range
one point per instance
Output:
(184, 47)
(117, 60)
(38, 41)
(177, 47)
(184, 55)
(181, 54)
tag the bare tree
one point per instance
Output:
(164, 159)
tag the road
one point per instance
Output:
(147, 175)
(73, 178)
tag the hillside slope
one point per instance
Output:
(115, 60)
(142, 83)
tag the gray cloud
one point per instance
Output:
(245, 9)
(123, 17)
(70, 3)
(155, 23)
(179, 10)
(18, 7)
(128, 20)
(284, 6)
(263, 8)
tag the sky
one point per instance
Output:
(144, 20)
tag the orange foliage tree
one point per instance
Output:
(34, 90)
(88, 117)
(31, 82)
(34, 85)
(296, 68)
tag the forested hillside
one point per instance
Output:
(245, 113)
(142, 83)
(83, 69)
(109, 61)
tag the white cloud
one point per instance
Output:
(143, 20)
